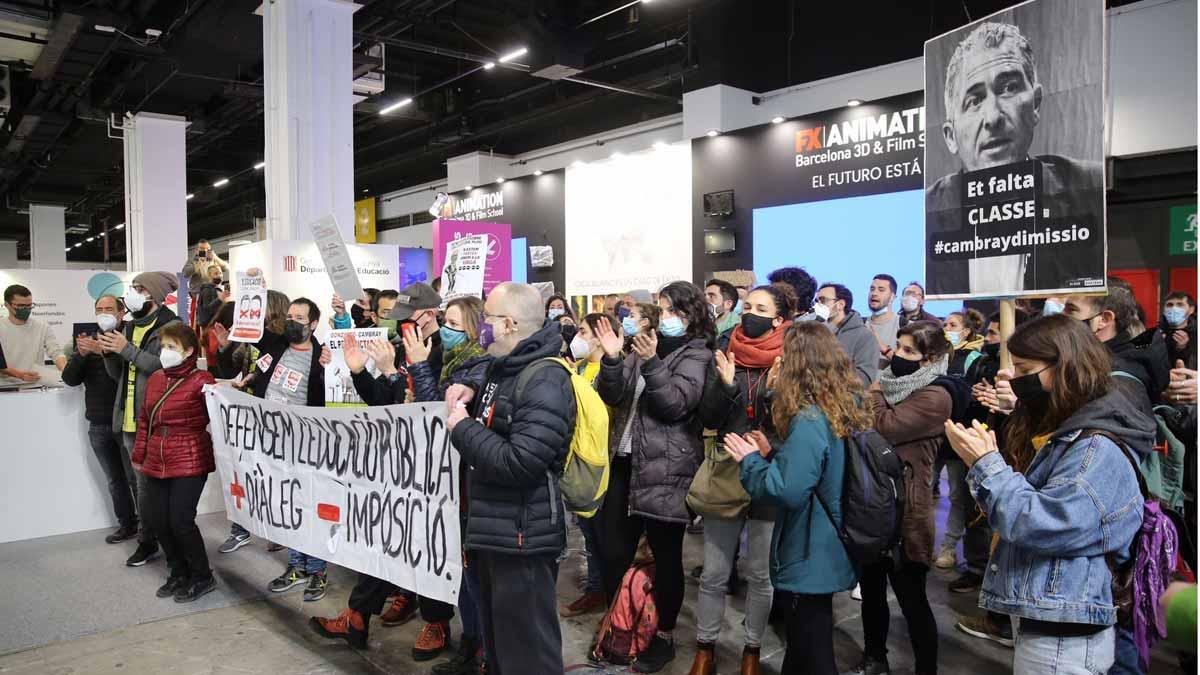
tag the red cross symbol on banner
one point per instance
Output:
(242, 314)
(238, 492)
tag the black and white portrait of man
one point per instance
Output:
(991, 107)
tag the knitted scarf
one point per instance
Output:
(458, 356)
(756, 353)
(896, 389)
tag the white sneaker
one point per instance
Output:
(946, 559)
(856, 593)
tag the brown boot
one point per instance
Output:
(750, 661)
(706, 660)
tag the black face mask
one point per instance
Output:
(569, 332)
(356, 315)
(295, 332)
(1028, 389)
(992, 350)
(143, 312)
(755, 326)
(902, 366)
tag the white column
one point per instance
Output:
(47, 237)
(8, 254)
(309, 115)
(156, 235)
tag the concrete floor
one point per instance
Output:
(247, 630)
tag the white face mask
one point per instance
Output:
(106, 322)
(910, 303)
(580, 347)
(134, 301)
(170, 358)
(821, 310)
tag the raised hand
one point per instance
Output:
(326, 355)
(610, 342)
(738, 447)
(113, 342)
(222, 335)
(356, 358)
(384, 355)
(971, 444)
(339, 305)
(416, 350)
(759, 439)
(645, 345)
(1182, 389)
(726, 368)
(1006, 399)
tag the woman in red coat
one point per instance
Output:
(174, 451)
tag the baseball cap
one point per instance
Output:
(413, 299)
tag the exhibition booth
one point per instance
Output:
(741, 181)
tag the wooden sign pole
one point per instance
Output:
(1008, 324)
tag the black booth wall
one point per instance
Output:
(535, 207)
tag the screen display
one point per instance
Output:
(849, 241)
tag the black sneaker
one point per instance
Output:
(144, 554)
(173, 584)
(234, 542)
(656, 657)
(968, 582)
(123, 533)
(870, 666)
(194, 590)
(315, 590)
(464, 662)
(291, 577)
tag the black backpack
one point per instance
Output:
(872, 498)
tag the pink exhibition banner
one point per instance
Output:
(498, 267)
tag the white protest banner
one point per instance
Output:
(371, 489)
(336, 257)
(463, 272)
(339, 381)
(249, 312)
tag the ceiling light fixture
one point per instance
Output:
(259, 165)
(91, 239)
(777, 120)
(221, 183)
(538, 172)
(395, 106)
(513, 55)
(499, 180)
(711, 133)
(78, 245)
(853, 102)
(67, 248)
(661, 145)
(189, 195)
(489, 65)
(120, 227)
(469, 187)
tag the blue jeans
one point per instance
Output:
(591, 543)
(1127, 659)
(1047, 655)
(305, 562)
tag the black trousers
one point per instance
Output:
(118, 472)
(619, 535)
(369, 596)
(519, 611)
(977, 542)
(169, 511)
(809, 634)
(908, 583)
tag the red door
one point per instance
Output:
(1183, 279)
(1145, 290)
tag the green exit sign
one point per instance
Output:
(1183, 230)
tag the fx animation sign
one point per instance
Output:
(371, 489)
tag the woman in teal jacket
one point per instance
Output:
(819, 400)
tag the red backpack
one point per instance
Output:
(630, 622)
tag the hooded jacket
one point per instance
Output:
(665, 439)
(1077, 503)
(173, 441)
(515, 450)
(1144, 357)
(860, 345)
(145, 358)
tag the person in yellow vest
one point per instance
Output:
(131, 356)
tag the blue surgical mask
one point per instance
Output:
(953, 337)
(1052, 307)
(554, 312)
(629, 324)
(672, 326)
(1175, 316)
(451, 338)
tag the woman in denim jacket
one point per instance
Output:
(1069, 500)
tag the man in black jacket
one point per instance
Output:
(515, 445)
(1109, 318)
(86, 366)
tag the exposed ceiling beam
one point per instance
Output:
(61, 38)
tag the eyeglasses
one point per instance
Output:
(826, 301)
(485, 316)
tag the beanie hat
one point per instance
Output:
(640, 295)
(158, 284)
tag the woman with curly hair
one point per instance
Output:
(819, 402)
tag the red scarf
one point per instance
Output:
(756, 353)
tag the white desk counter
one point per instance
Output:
(52, 483)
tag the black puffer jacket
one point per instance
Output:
(667, 446)
(1144, 357)
(515, 452)
(99, 390)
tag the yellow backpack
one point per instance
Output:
(584, 479)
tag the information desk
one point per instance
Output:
(52, 483)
